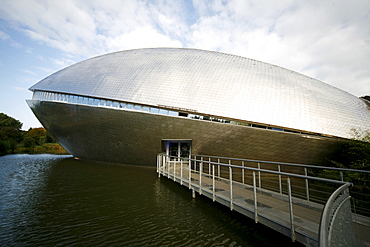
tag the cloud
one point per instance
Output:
(62, 62)
(328, 40)
(44, 69)
(20, 89)
(77, 28)
(29, 72)
(4, 36)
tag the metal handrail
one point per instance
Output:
(323, 227)
(329, 214)
(287, 164)
(261, 170)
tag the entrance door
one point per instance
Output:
(178, 148)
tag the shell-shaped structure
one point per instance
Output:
(214, 84)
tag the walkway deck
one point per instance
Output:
(299, 220)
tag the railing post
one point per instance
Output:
(209, 166)
(259, 175)
(158, 161)
(243, 172)
(280, 185)
(161, 165)
(292, 230)
(174, 170)
(189, 174)
(213, 184)
(200, 175)
(168, 167)
(164, 165)
(181, 171)
(231, 188)
(218, 168)
(307, 189)
(255, 198)
(341, 176)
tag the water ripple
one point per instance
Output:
(53, 200)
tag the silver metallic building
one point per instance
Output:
(127, 106)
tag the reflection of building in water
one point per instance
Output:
(126, 107)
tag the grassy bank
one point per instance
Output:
(47, 148)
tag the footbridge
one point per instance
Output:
(313, 205)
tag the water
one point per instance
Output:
(50, 200)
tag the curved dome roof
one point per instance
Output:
(217, 84)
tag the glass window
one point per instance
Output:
(84, 101)
(109, 103)
(145, 108)
(79, 100)
(90, 101)
(130, 106)
(102, 102)
(163, 111)
(173, 113)
(122, 105)
(137, 107)
(96, 102)
(154, 110)
(115, 104)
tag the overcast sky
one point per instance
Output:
(327, 40)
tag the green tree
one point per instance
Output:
(37, 137)
(6, 121)
(10, 134)
(355, 154)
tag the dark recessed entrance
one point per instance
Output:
(177, 148)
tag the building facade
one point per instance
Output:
(126, 107)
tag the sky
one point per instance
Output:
(328, 40)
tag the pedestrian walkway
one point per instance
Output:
(283, 208)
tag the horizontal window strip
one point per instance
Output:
(84, 100)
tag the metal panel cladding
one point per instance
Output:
(217, 84)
